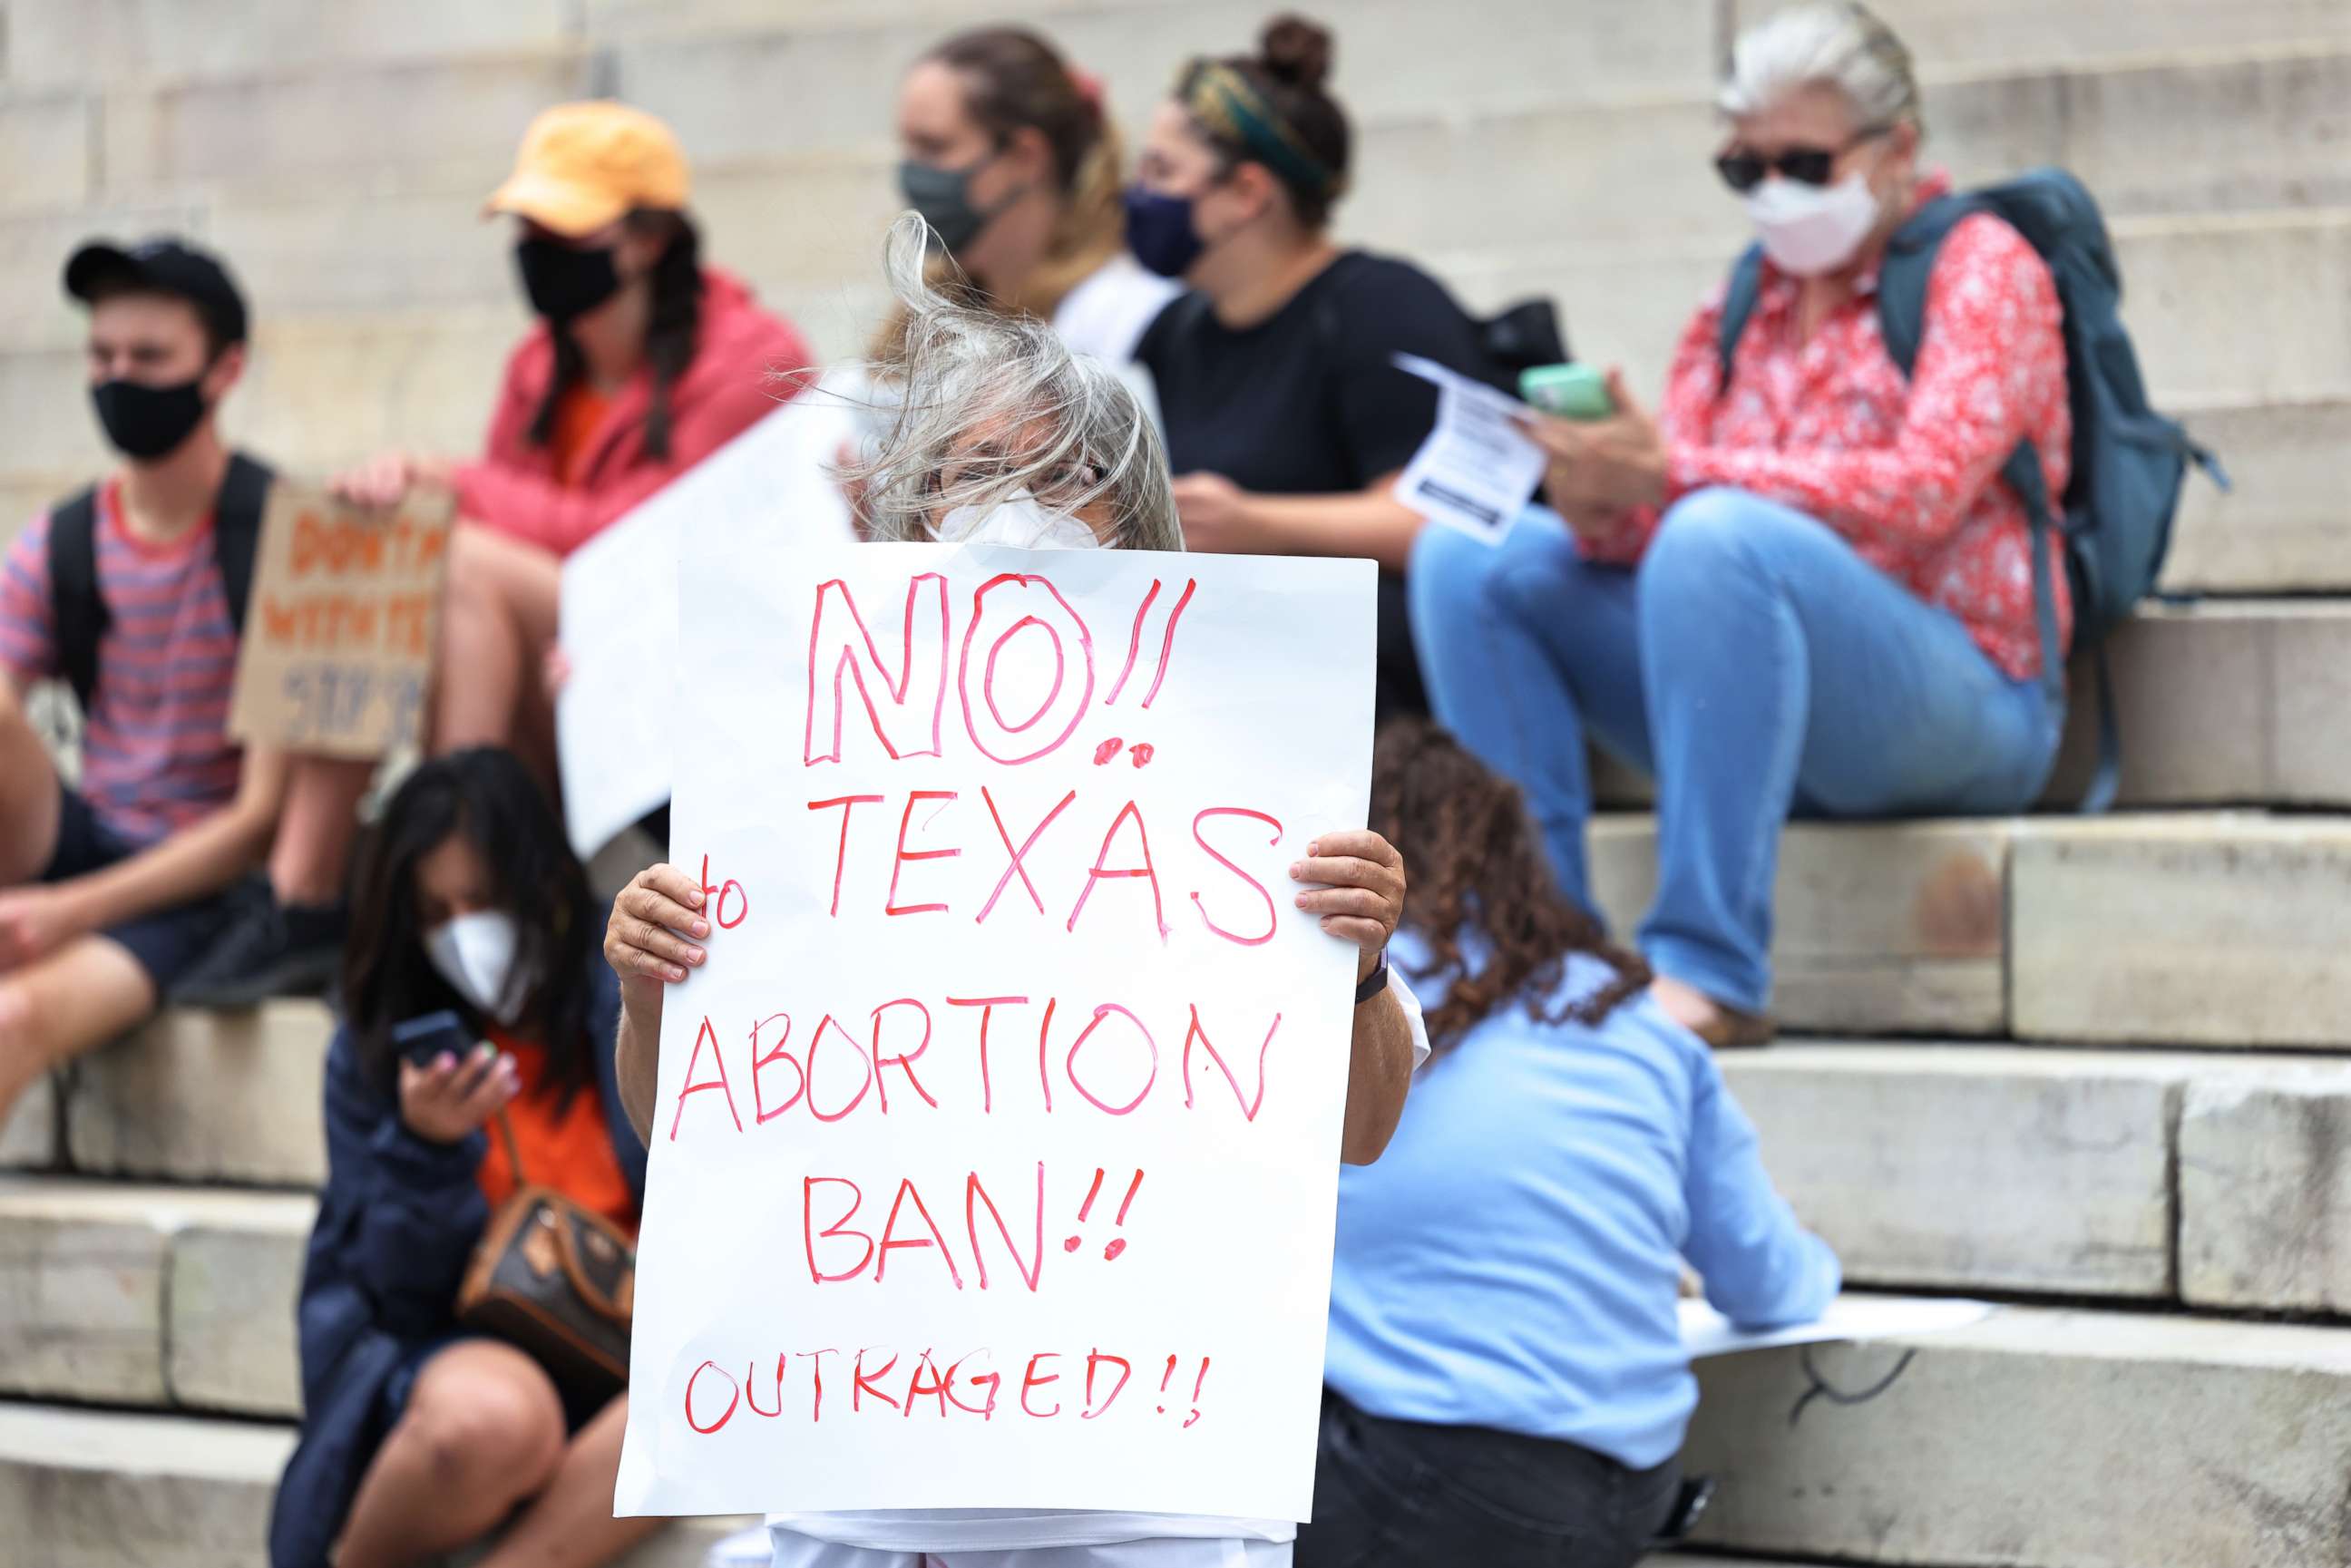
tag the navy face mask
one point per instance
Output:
(1159, 232)
(563, 282)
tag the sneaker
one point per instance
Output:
(268, 949)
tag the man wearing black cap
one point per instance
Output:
(131, 593)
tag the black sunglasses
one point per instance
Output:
(1743, 171)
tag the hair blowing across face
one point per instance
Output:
(1475, 869)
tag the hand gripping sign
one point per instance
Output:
(996, 1147)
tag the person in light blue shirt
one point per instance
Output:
(1506, 1382)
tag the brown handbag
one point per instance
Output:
(556, 1280)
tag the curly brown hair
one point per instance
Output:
(1475, 868)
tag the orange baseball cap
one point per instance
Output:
(584, 165)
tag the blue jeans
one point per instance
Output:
(1754, 666)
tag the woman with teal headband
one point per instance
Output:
(1287, 420)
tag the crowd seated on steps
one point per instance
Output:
(1801, 586)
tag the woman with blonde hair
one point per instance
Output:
(1009, 157)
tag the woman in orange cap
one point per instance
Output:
(644, 363)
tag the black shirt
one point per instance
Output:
(1310, 402)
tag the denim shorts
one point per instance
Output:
(168, 942)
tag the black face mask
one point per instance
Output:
(563, 282)
(146, 422)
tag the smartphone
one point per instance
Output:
(421, 1039)
(1570, 391)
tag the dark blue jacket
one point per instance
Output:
(397, 1225)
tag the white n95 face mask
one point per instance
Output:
(1808, 230)
(475, 954)
(1016, 521)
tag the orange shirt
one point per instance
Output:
(578, 415)
(568, 1148)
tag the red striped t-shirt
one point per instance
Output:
(155, 756)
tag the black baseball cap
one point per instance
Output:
(163, 265)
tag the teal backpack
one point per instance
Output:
(2129, 460)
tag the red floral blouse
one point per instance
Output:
(1908, 471)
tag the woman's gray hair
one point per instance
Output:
(1838, 43)
(991, 404)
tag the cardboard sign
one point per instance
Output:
(995, 1154)
(618, 614)
(341, 627)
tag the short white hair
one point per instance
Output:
(1837, 43)
(991, 403)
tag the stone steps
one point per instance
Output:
(2236, 938)
(2017, 927)
(153, 1297)
(2201, 1179)
(86, 1488)
(2038, 1439)
(2206, 1180)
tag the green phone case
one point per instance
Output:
(1571, 390)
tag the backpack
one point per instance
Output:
(2129, 460)
(79, 612)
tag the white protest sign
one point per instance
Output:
(995, 1152)
(1475, 469)
(619, 610)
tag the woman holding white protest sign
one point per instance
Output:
(1004, 436)
(1288, 421)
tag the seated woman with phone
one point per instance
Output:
(481, 1183)
(1804, 586)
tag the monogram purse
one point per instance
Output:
(556, 1280)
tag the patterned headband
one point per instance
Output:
(1221, 99)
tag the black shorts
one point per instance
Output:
(167, 943)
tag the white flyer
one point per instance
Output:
(1850, 1319)
(1476, 469)
(619, 611)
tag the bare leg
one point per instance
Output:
(498, 621)
(483, 1430)
(571, 1525)
(79, 998)
(313, 846)
(28, 794)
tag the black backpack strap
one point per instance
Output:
(1737, 305)
(237, 531)
(77, 613)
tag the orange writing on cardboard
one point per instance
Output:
(339, 639)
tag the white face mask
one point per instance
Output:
(1016, 521)
(1808, 230)
(475, 954)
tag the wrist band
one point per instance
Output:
(1373, 984)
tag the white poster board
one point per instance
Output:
(619, 611)
(995, 1154)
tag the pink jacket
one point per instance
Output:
(726, 389)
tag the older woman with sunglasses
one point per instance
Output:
(1803, 587)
